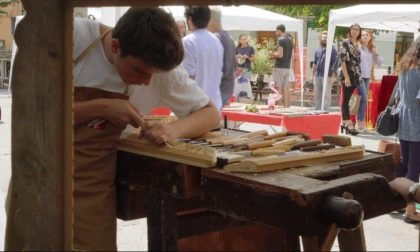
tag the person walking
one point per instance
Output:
(229, 53)
(350, 77)
(203, 58)
(282, 58)
(408, 97)
(318, 73)
(368, 58)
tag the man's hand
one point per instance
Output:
(122, 112)
(159, 133)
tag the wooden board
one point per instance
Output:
(301, 159)
(183, 153)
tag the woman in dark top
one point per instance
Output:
(350, 77)
(245, 54)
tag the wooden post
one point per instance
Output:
(42, 131)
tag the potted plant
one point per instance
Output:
(263, 64)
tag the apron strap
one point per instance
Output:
(90, 47)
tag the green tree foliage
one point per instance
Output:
(316, 15)
(4, 4)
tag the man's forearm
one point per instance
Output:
(87, 110)
(198, 122)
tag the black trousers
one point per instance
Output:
(347, 92)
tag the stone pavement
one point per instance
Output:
(384, 233)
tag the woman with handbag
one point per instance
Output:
(350, 76)
(408, 94)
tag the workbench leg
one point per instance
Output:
(310, 243)
(322, 242)
(161, 222)
(352, 240)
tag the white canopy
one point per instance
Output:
(395, 17)
(243, 18)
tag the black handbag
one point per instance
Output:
(387, 121)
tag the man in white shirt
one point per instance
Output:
(203, 58)
(140, 57)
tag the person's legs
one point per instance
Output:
(318, 92)
(345, 110)
(327, 97)
(286, 87)
(402, 167)
(361, 89)
(282, 79)
(413, 162)
(286, 94)
(410, 158)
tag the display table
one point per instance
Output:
(315, 125)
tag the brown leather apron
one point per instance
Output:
(94, 175)
(94, 214)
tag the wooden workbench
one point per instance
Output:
(183, 201)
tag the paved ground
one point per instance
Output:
(385, 233)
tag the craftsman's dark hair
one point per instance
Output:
(151, 35)
(200, 15)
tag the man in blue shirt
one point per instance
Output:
(318, 69)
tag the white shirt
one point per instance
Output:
(173, 89)
(203, 61)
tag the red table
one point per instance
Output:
(314, 125)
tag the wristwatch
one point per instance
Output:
(412, 192)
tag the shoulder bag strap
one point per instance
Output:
(392, 98)
(90, 47)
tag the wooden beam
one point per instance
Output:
(98, 3)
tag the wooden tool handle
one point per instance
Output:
(241, 140)
(255, 133)
(303, 134)
(245, 141)
(260, 144)
(347, 213)
(318, 147)
(306, 144)
(275, 135)
(267, 152)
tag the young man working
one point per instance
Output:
(140, 57)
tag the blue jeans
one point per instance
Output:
(363, 90)
(409, 166)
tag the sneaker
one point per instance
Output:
(363, 131)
